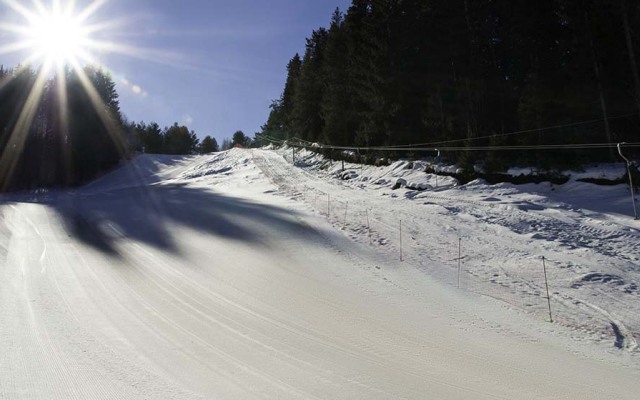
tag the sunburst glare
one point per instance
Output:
(61, 33)
(58, 36)
(54, 34)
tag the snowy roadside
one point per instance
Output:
(583, 231)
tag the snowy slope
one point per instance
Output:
(223, 276)
(585, 232)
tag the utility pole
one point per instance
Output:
(633, 196)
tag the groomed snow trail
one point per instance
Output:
(186, 278)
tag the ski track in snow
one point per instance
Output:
(238, 275)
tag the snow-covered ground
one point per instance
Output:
(239, 275)
(586, 234)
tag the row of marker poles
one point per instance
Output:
(346, 207)
(459, 258)
(544, 266)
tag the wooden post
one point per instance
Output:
(346, 207)
(401, 241)
(328, 205)
(459, 260)
(546, 283)
(368, 225)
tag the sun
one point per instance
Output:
(57, 37)
(54, 34)
(60, 33)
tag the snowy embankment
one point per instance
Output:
(238, 275)
(586, 234)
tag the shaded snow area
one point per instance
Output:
(241, 275)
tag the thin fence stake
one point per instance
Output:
(346, 207)
(328, 205)
(546, 283)
(459, 260)
(401, 241)
(368, 225)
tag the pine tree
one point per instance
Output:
(208, 145)
(17, 112)
(307, 121)
(179, 140)
(288, 95)
(367, 46)
(339, 127)
(240, 139)
(96, 132)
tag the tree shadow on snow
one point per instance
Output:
(150, 214)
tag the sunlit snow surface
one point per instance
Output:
(239, 275)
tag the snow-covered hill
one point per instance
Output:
(585, 232)
(239, 275)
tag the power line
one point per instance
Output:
(547, 128)
(576, 146)
(589, 122)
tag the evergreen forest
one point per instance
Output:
(67, 129)
(476, 77)
(58, 131)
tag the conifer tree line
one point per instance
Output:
(67, 129)
(55, 132)
(396, 72)
(175, 139)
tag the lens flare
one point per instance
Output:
(57, 37)
(53, 35)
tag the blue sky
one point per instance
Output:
(214, 65)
